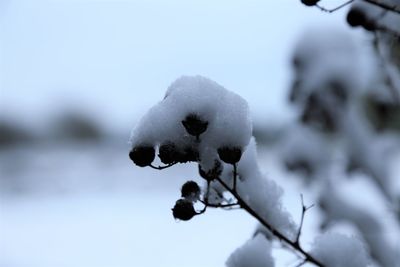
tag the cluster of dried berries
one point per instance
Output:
(184, 209)
(170, 153)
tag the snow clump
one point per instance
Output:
(336, 250)
(254, 253)
(196, 115)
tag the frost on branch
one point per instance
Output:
(254, 253)
(335, 250)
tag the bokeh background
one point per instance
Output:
(75, 77)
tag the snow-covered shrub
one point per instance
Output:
(254, 253)
(345, 125)
(200, 121)
(346, 97)
(335, 250)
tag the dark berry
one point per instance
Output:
(356, 17)
(190, 191)
(194, 125)
(142, 155)
(183, 210)
(309, 2)
(188, 154)
(230, 155)
(212, 174)
(168, 153)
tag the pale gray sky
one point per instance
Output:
(116, 58)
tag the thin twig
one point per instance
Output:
(207, 191)
(162, 167)
(234, 176)
(279, 235)
(303, 212)
(205, 202)
(334, 9)
(220, 205)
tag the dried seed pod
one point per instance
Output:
(168, 153)
(183, 210)
(356, 17)
(142, 155)
(194, 125)
(309, 2)
(230, 155)
(190, 191)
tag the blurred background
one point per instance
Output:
(75, 77)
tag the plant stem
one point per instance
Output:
(295, 245)
(336, 8)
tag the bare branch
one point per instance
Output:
(303, 212)
(334, 9)
(381, 4)
(307, 257)
(234, 176)
(162, 167)
(230, 205)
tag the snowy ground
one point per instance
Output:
(97, 209)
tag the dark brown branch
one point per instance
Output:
(279, 235)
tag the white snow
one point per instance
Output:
(337, 250)
(227, 114)
(324, 55)
(254, 253)
(261, 193)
